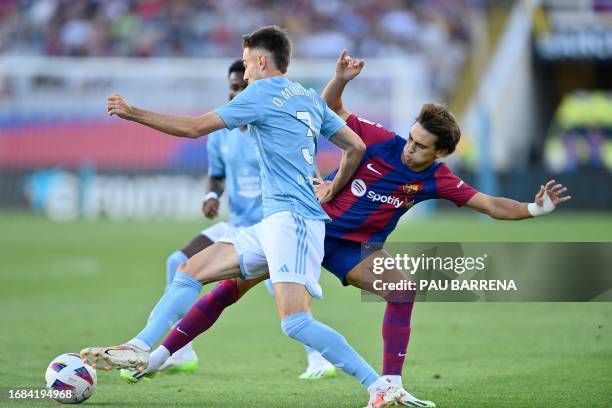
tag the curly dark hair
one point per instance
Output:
(439, 121)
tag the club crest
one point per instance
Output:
(411, 188)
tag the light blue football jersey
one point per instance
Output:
(285, 119)
(232, 154)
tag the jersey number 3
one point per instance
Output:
(307, 153)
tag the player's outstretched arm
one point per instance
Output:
(176, 125)
(500, 208)
(347, 68)
(353, 150)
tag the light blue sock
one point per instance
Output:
(173, 305)
(172, 263)
(332, 346)
(309, 349)
(269, 286)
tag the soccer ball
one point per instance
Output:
(68, 372)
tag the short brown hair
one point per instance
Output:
(273, 39)
(437, 120)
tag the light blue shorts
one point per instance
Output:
(285, 245)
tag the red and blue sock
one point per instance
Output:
(202, 315)
(396, 334)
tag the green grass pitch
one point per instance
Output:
(67, 286)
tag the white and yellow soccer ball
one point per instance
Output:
(72, 375)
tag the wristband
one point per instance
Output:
(211, 195)
(547, 207)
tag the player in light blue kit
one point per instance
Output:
(284, 119)
(233, 168)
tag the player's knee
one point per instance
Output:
(187, 267)
(174, 260)
(292, 325)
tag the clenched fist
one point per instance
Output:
(118, 105)
(210, 208)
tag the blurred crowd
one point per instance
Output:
(581, 133)
(213, 28)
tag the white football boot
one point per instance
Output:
(121, 356)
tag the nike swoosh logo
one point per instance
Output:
(370, 167)
(178, 329)
(401, 354)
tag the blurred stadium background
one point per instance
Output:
(529, 81)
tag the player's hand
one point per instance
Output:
(316, 181)
(323, 190)
(210, 208)
(118, 105)
(554, 192)
(347, 67)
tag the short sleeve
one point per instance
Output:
(331, 124)
(451, 187)
(216, 164)
(246, 108)
(370, 132)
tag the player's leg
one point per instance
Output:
(186, 360)
(339, 258)
(253, 269)
(294, 266)
(293, 303)
(396, 322)
(206, 311)
(318, 367)
(202, 315)
(197, 244)
(217, 262)
(204, 239)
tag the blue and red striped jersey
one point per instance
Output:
(382, 189)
